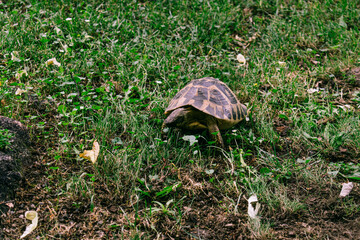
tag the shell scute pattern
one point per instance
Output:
(233, 110)
(198, 103)
(219, 111)
(211, 96)
(227, 113)
(225, 90)
(205, 82)
(202, 94)
(191, 93)
(218, 98)
(181, 92)
(239, 112)
(210, 109)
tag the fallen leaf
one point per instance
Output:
(21, 73)
(58, 30)
(251, 211)
(52, 61)
(346, 189)
(20, 91)
(15, 56)
(282, 64)
(92, 154)
(342, 23)
(209, 171)
(191, 138)
(346, 107)
(30, 215)
(342, 149)
(241, 59)
(10, 205)
(314, 61)
(239, 38)
(312, 90)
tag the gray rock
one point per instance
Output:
(13, 157)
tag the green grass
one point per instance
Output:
(123, 61)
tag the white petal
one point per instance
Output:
(252, 199)
(346, 189)
(52, 61)
(282, 64)
(31, 215)
(241, 59)
(251, 211)
(19, 91)
(191, 138)
(209, 171)
(312, 90)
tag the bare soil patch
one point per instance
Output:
(326, 215)
(203, 214)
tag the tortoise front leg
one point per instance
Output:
(213, 128)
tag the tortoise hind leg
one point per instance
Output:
(215, 132)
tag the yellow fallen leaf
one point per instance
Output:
(52, 61)
(92, 154)
(33, 216)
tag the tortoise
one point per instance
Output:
(205, 103)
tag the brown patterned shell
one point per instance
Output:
(212, 97)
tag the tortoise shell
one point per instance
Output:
(211, 96)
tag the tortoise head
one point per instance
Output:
(177, 118)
